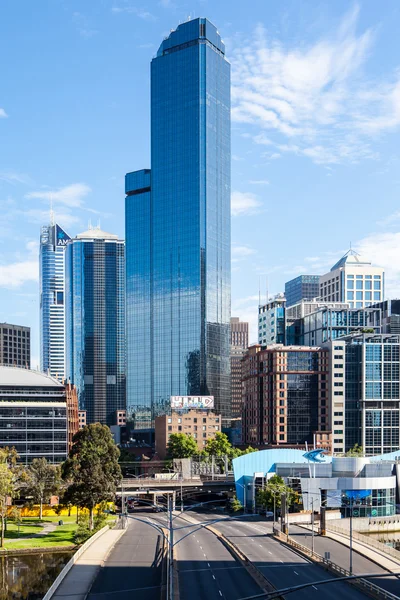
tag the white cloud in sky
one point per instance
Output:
(15, 274)
(70, 195)
(241, 252)
(3, 114)
(259, 181)
(42, 216)
(244, 203)
(14, 177)
(139, 12)
(314, 95)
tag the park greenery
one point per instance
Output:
(91, 471)
(355, 451)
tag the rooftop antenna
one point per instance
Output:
(98, 223)
(90, 225)
(51, 209)
(259, 290)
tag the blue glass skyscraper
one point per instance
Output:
(178, 231)
(95, 323)
(53, 240)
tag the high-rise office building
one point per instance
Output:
(15, 345)
(239, 345)
(178, 231)
(303, 287)
(354, 280)
(95, 322)
(286, 398)
(364, 382)
(271, 321)
(53, 240)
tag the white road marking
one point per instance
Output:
(252, 540)
(315, 588)
(205, 554)
(213, 576)
(220, 593)
(208, 564)
(270, 551)
(201, 547)
(260, 545)
(295, 573)
(281, 560)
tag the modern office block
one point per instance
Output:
(303, 287)
(365, 392)
(239, 333)
(95, 322)
(271, 321)
(178, 231)
(38, 414)
(354, 280)
(53, 240)
(286, 396)
(239, 345)
(15, 345)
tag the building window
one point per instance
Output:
(169, 420)
(179, 420)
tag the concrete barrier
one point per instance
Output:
(72, 561)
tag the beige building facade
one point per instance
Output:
(202, 425)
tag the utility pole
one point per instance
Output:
(312, 525)
(171, 550)
(351, 536)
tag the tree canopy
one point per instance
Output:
(10, 478)
(181, 445)
(43, 480)
(92, 470)
(356, 450)
(271, 494)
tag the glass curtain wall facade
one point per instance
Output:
(95, 323)
(372, 406)
(301, 288)
(185, 226)
(53, 240)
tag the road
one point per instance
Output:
(206, 569)
(132, 568)
(340, 555)
(282, 566)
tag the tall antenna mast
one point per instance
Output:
(51, 209)
(259, 290)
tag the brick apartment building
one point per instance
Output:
(202, 425)
(286, 396)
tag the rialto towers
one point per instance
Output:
(178, 231)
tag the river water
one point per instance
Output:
(29, 576)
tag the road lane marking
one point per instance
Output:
(201, 547)
(213, 576)
(270, 551)
(205, 555)
(295, 573)
(208, 564)
(315, 588)
(220, 593)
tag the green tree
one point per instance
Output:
(356, 450)
(274, 490)
(43, 480)
(92, 471)
(10, 478)
(181, 445)
(219, 445)
(236, 505)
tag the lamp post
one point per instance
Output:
(351, 536)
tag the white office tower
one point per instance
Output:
(53, 240)
(353, 280)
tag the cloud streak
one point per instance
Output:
(70, 195)
(244, 203)
(314, 100)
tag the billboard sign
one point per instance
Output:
(61, 237)
(186, 402)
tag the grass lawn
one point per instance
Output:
(24, 529)
(63, 535)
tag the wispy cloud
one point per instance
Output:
(241, 252)
(139, 12)
(3, 114)
(244, 203)
(14, 177)
(316, 95)
(42, 216)
(70, 195)
(259, 181)
(15, 274)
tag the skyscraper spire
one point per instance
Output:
(51, 210)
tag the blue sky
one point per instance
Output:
(315, 131)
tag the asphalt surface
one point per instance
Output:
(282, 566)
(340, 554)
(132, 569)
(206, 569)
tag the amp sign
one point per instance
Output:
(61, 237)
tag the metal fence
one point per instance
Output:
(366, 540)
